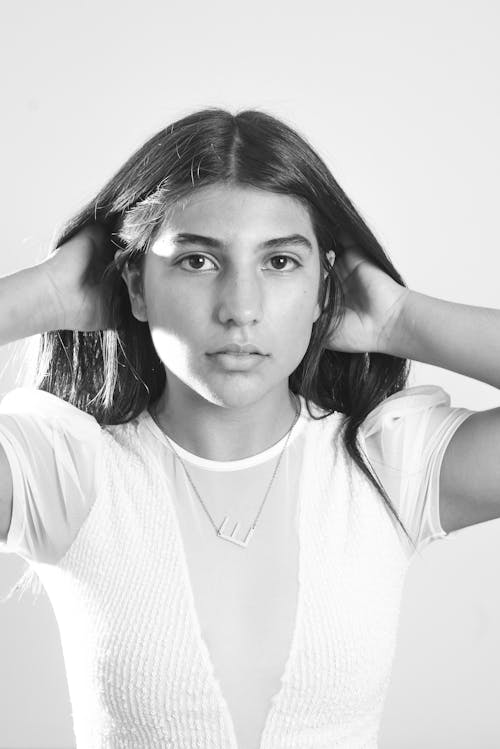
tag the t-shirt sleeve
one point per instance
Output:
(53, 449)
(406, 437)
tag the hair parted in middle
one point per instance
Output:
(115, 374)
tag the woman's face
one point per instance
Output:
(239, 284)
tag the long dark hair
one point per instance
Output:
(114, 374)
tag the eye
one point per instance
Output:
(204, 257)
(188, 257)
(286, 257)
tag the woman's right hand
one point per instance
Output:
(75, 272)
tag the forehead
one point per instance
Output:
(234, 207)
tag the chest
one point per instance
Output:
(250, 644)
(245, 598)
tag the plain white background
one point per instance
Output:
(402, 101)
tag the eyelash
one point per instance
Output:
(198, 270)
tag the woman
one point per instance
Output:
(219, 476)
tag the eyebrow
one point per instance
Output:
(292, 239)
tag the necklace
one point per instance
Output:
(220, 531)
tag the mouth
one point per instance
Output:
(236, 353)
(237, 361)
(238, 348)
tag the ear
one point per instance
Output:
(132, 275)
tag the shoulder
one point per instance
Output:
(405, 403)
(37, 407)
(40, 403)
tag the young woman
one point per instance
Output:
(218, 474)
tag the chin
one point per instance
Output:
(238, 391)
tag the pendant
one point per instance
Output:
(231, 537)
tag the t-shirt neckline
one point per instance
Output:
(226, 465)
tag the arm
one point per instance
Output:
(60, 293)
(463, 339)
(384, 317)
(453, 336)
(28, 304)
(52, 295)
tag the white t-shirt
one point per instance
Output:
(279, 674)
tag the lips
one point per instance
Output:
(234, 362)
(237, 348)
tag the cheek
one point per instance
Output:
(292, 325)
(177, 336)
(170, 309)
(299, 308)
(175, 322)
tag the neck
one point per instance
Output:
(223, 434)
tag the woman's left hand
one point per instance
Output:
(373, 303)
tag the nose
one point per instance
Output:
(240, 298)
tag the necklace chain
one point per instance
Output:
(219, 530)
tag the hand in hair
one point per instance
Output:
(373, 302)
(75, 270)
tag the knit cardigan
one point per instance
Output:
(114, 566)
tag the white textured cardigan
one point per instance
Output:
(175, 638)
